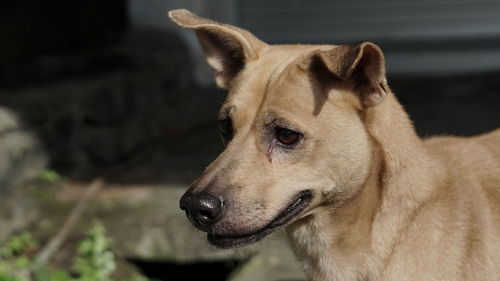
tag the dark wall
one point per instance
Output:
(32, 28)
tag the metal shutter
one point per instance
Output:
(341, 20)
(435, 35)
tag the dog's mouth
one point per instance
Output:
(301, 201)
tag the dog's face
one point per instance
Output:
(293, 130)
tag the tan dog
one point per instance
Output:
(317, 141)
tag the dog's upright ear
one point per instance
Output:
(227, 48)
(363, 64)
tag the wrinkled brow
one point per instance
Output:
(273, 119)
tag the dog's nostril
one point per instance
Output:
(206, 214)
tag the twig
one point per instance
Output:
(55, 243)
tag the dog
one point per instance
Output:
(317, 143)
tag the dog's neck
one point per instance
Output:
(346, 242)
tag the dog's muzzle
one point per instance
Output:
(203, 210)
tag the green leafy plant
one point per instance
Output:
(14, 257)
(18, 245)
(95, 260)
(50, 176)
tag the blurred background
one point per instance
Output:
(108, 107)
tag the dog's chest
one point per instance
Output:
(313, 247)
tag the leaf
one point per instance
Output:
(50, 176)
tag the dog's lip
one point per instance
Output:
(300, 202)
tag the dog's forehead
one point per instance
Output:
(269, 78)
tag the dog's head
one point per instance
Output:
(293, 128)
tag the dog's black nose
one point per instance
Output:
(203, 210)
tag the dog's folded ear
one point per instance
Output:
(364, 64)
(227, 48)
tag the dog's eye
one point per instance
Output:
(287, 137)
(226, 129)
